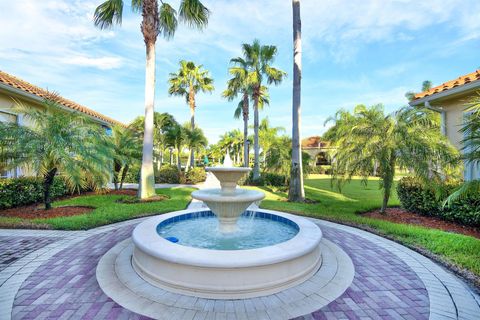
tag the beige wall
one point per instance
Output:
(454, 113)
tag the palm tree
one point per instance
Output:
(426, 85)
(409, 138)
(157, 19)
(259, 58)
(162, 123)
(58, 143)
(187, 82)
(471, 150)
(195, 140)
(267, 136)
(176, 138)
(239, 84)
(126, 144)
(296, 191)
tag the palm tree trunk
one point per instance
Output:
(117, 167)
(124, 175)
(296, 192)
(246, 162)
(192, 123)
(388, 175)
(147, 181)
(256, 147)
(179, 164)
(47, 186)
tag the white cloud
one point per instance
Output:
(102, 63)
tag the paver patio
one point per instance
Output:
(390, 282)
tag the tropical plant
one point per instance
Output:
(296, 191)
(471, 150)
(194, 140)
(409, 138)
(259, 58)
(176, 138)
(187, 82)
(426, 85)
(231, 142)
(157, 18)
(58, 143)
(267, 136)
(127, 151)
(162, 123)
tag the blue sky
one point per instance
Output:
(369, 51)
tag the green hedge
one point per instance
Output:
(16, 192)
(266, 179)
(168, 174)
(195, 175)
(416, 197)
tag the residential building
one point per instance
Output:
(450, 99)
(14, 90)
(317, 149)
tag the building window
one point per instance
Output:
(8, 117)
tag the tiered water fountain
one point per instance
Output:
(228, 252)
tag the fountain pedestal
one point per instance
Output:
(228, 202)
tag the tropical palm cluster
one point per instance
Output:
(369, 142)
(67, 145)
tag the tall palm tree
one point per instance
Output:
(127, 148)
(239, 84)
(187, 82)
(409, 138)
(58, 144)
(296, 191)
(159, 17)
(259, 58)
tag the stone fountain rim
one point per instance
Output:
(228, 169)
(146, 238)
(245, 195)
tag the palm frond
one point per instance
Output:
(108, 13)
(194, 13)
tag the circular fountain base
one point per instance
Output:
(226, 274)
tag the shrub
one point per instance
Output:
(273, 179)
(195, 175)
(419, 198)
(168, 174)
(16, 192)
(133, 174)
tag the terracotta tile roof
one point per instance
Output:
(460, 81)
(314, 142)
(20, 84)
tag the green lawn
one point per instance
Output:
(107, 210)
(463, 251)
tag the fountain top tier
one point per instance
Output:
(228, 177)
(228, 203)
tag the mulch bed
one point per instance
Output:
(36, 211)
(399, 215)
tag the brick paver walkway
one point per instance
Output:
(385, 285)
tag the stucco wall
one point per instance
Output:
(454, 113)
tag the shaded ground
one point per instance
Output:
(399, 215)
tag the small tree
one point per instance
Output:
(58, 143)
(409, 138)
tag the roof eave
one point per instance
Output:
(447, 93)
(34, 98)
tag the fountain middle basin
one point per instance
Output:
(226, 273)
